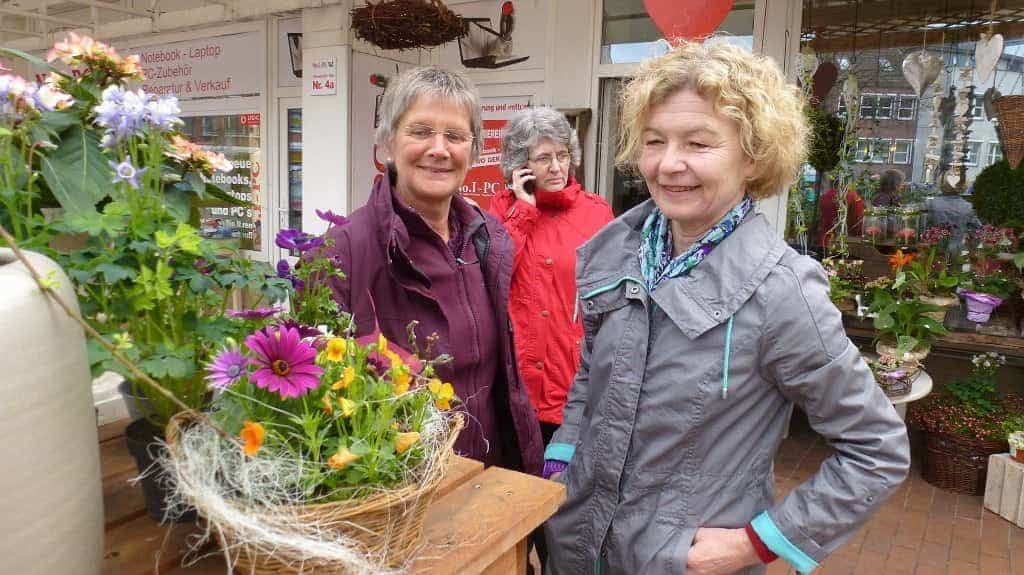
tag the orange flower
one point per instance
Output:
(341, 459)
(403, 441)
(252, 434)
(899, 260)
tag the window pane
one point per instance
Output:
(629, 35)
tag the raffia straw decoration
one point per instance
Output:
(263, 523)
(407, 24)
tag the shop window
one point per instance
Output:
(902, 152)
(906, 107)
(872, 150)
(629, 35)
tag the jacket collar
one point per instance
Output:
(562, 199)
(705, 298)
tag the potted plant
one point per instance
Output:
(1016, 439)
(905, 331)
(843, 277)
(964, 423)
(333, 446)
(896, 378)
(144, 277)
(931, 277)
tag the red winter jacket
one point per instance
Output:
(542, 300)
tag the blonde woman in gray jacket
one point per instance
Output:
(702, 330)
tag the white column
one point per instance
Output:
(325, 118)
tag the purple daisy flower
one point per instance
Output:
(258, 313)
(331, 217)
(305, 332)
(226, 368)
(285, 364)
(297, 240)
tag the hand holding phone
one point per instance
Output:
(523, 185)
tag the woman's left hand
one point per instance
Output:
(720, 552)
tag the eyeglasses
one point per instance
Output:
(423, 133)
(544, 160)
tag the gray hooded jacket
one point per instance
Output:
(683, 398)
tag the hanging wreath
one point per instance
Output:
(405, 24)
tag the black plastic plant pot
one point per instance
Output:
(142, 438)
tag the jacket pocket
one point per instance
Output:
(681, 550)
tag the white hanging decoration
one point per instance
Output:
(987, 52)
(921, 69)
(808, 60)
(962, 118)
(931, 155)
(851, 89)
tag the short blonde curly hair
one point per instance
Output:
(745, 87)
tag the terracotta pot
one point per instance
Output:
(51, 493)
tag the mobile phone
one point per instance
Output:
(528, 185)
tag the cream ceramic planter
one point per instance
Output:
(914, 357)
(51, 496)
(945, 302)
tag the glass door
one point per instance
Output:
(289, 206)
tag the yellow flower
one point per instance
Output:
(336, 347)
(403, 441)
(327, 404)
(394, 358)
(252, 434)
(401, 379)
(443, 393)
(348, 377)
(341, 459)
(382, 343)
(347, 406)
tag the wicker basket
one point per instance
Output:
(388, 525)
(958, 464)
(1010, 113)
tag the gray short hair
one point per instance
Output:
(411, 85)
(526, 129)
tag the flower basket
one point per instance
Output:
(377, 532)
(1010, 113)
(911, 360)
(958, 464)
(897, 382)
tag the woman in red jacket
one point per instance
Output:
(548, 215)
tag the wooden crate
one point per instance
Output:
(1004, 489)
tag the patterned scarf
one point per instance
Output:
(656, 261)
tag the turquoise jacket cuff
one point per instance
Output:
(560, 452)
(784, 548)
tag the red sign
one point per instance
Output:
(484, 179)
(251, 119)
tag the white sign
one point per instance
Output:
(207, 68)
(324, 79)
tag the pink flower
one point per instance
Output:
(285, 364)
(906, 234)
(873, 231)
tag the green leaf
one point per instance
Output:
(215, 196)
(884, 321)
(60, 120)
(34, 60)
(1018, 260)
(114, 273)
(77, 172)
(178, 203)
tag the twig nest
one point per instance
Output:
(406, 24)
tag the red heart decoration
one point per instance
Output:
(824, 79)
(690, 19)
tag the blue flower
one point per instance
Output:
(126, 172)
(332, 218)
(122, 113)
(164, 112)
(297, 240)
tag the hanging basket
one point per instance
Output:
(407, 24)
(385, 528)
(1010, 112)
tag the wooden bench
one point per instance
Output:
(477, 524)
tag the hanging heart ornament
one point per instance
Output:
(921, 69)
(824, 79)
(687, 19)
(986, 55)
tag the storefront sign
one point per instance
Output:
(484, 179)
(324, 79)
(207, 68)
